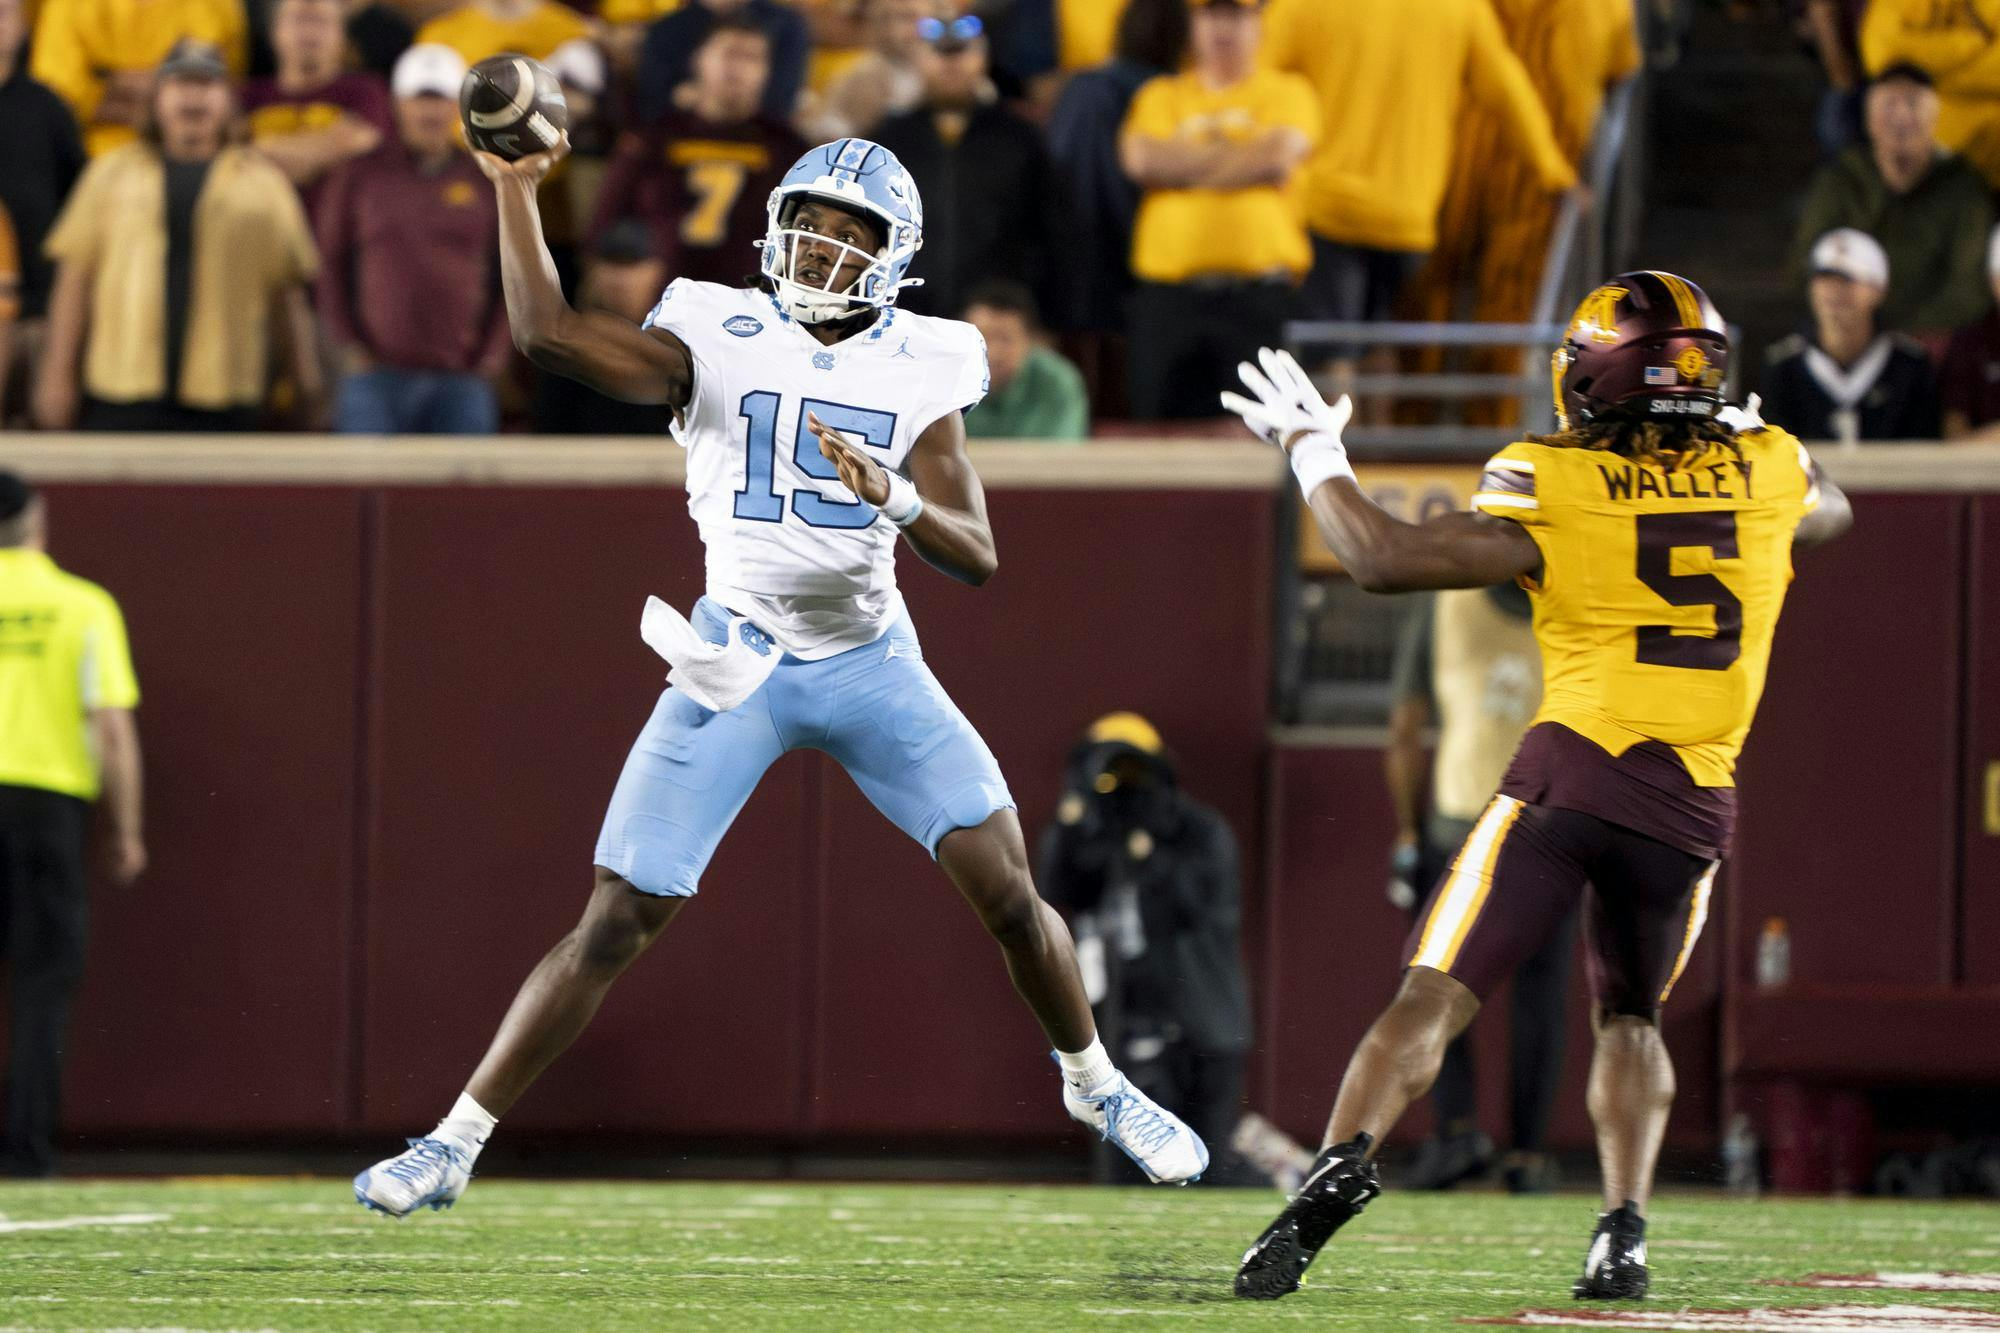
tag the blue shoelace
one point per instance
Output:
(1133, 1121)
(430, 1155)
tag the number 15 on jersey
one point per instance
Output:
(760, 502)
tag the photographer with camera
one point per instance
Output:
(1148, 879)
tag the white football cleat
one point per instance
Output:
(432, 1172)
(1165, 1149)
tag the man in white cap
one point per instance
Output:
(1845, 379)
(408, 284)
(1970, 379)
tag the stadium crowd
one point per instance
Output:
(237, 214)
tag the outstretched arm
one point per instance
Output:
(1383, 553)
(949, 528)
(1380, 552)
(612, 355)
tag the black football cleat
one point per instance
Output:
(1615, 1269)
(1341, 1183)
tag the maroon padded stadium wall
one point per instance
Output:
(381, 724)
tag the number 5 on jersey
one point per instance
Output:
(759, 500)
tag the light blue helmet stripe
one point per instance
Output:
(851, 159)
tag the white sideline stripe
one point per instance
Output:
(68, 1223)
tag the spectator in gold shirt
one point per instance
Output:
(100, 55)
(1392, 85)
(1219, 243)
(181, 259)
(533, 28)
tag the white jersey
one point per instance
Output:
(787, 544)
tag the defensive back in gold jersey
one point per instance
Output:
(1660, 586)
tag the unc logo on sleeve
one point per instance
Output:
(743, 326)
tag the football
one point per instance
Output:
(512, 106)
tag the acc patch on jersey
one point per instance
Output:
(743, 326)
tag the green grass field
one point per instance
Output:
(298, 1254)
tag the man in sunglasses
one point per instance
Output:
(988, 182)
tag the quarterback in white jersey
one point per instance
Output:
(822, 425)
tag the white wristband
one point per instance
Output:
(1319, 458)
(904, 505)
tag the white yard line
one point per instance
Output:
(68, 1223)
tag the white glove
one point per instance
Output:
(1745, 418)
(1289, 409)
(718, 676)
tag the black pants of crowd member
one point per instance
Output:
(43, 920)
(163, 415)
(1538, 1025)
(1188, 337)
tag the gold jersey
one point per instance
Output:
(1660, 586)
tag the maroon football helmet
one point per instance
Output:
(1645, 345)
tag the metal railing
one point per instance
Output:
(1592, 229)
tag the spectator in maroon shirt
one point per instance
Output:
(1971, 374)
(699, 179)
(311, 116)
(409, 280)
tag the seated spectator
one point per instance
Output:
(886, 81)
(990, 201)
(1034, 393)
(1083, 143)
(699, 179)
(410, 283)
(311, 115)
(1219, 245)
(622, 277)
(1954, 43)
(175, 256)
(666, 58)
(1847, 380)
(100, 55)
(1970, 388)
(41, 155)
(1927, 207)
(483, 28)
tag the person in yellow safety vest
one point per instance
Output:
(67, 739)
